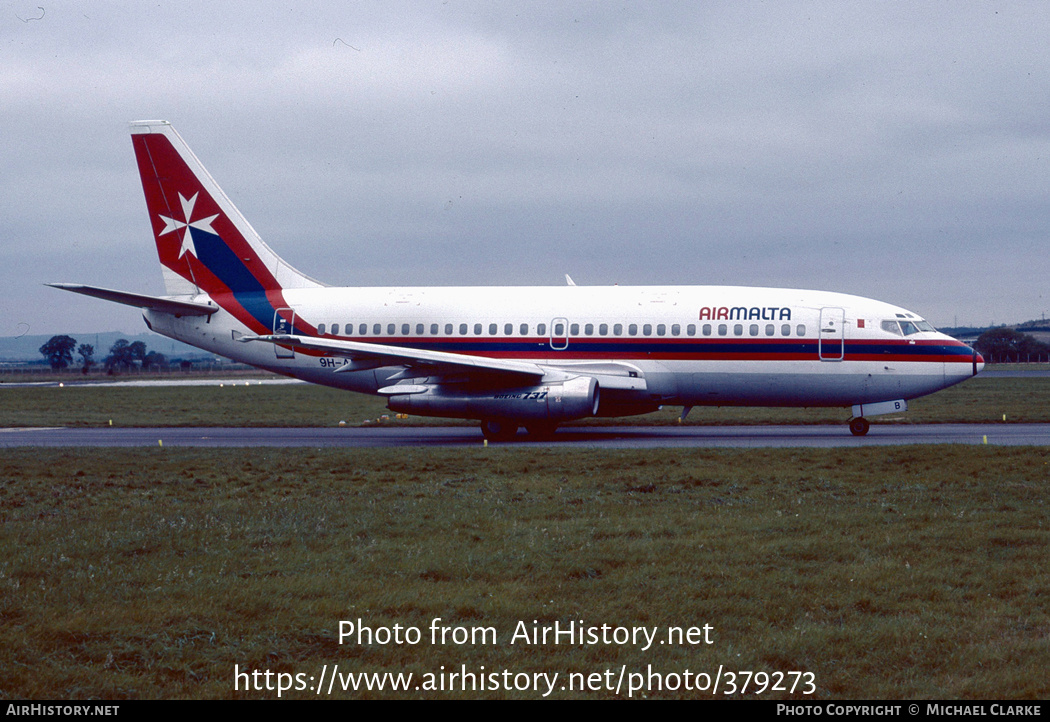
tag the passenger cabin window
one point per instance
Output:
(753, 330)
(462, 329)
(434, 329)
(524, 329)
(785, 330)
(676, 329)
(661, 329)
(633, 329)
(508, 329)
(541, 329)
(419, 329)
(647, 329)
(477, 329)
(377, 329)
(770, 329)
(589, 329)
(363, 329)
(320, 329)
(404, 329)
(603, 329)
(800, 329)
(691, 329)
(723, 329)
(493, 328)
(738, 329)
(618, 329)
(707, 329)
(574, 329)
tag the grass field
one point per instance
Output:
(916, 572)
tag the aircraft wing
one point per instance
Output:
(165, 305)
(416, 361)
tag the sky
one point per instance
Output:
(894, 150)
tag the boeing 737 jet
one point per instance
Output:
(518, 356)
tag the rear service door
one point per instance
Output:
(283, 324)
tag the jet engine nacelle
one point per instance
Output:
(564, 401)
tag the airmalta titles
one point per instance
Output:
(742, 313)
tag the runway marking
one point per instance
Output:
(16, 429)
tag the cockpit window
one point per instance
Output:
(906, 328)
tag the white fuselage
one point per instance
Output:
(692, 345)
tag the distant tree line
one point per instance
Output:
(1005, 345)
(122, 355)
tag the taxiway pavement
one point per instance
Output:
(614, 437)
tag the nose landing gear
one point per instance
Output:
(859, 426)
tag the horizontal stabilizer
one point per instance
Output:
(138, 300)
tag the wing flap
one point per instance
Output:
(617, 375)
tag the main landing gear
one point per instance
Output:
(859, 426)
(499, 429)
(504, 430)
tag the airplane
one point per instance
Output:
(518, 356)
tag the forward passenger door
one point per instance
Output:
(831, 339)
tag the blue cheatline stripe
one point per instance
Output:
(633, 349)
(213, 252)
(608, 346)
(249, 292)
(860, 348)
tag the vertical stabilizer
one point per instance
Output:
(204, 243)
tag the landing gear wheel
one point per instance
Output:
(859, 426)
(541, 431)
(499, 429)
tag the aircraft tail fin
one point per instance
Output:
(205, 244)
